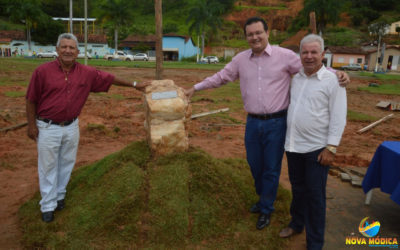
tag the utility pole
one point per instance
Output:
(71, 30)
(377, 53)
(159, 33)
(85, 32)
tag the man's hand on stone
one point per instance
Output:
(189, 92)
(343, 77)
(141, 85)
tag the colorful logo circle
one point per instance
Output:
(367, 229)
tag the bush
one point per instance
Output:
(189, 59)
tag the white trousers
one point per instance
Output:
(57, 148)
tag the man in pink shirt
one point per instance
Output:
(264, 72)
(55, 97)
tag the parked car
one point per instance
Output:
(47, 54)
(209, 59)
(120, 55)
(140, 56)
(82, 55)
(352, 66)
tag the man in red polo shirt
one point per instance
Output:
(55, 97)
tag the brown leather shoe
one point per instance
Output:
(287, 232)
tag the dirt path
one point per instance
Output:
(18, 173)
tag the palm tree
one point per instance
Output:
(28, 12)
(204, 16)
(116, 13)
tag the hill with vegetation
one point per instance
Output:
(219, 23)
(130, 200)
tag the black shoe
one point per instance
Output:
(255, 209)
(60, 205)
(263, 221)
(48, 216)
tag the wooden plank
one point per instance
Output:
(374, 124)
(14, 127)
(209, 113)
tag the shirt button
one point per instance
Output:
(259, 88)
(259, 68)
(259, 78)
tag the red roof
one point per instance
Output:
(92, 38)
(346, 50)
(13, 35)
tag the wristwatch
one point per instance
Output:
(331, 148)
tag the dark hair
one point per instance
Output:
(255, 19)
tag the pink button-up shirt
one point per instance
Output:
(264, 79)
(60, 96)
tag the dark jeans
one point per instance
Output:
(264, 141)
(308, 178)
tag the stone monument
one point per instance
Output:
(167, 113)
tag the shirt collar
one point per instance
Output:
(267, 51)
(59, 65)
(318, 74)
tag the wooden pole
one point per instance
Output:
(159, 52)
(374, 124)
(86, 32)
(313, 23)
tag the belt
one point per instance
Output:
(62, 124)
(278, 114)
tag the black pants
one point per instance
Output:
(308, 178)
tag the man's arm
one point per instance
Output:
(33, 131)
(137, 85)
(228, 74)
(337, 122)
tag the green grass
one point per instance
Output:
(385, 89)
(180, 201)
(341, 36)
(19, 64)
(383, 77)
(359, 117)
(14, 93)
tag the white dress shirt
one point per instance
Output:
(317, 112)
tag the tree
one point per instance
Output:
(378, 29)
(205, 15)
(326, 11)
(27, 12)
(115, 13)
(398, 30)
(47, 31)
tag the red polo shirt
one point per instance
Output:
(60, 96)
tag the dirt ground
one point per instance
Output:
(18, 171)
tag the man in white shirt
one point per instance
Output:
(315, 124)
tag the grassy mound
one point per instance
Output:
(129, 200)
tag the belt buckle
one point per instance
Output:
(62, 124)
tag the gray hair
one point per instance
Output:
(312, 38)
(69, 36)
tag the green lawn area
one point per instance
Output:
(385, 89)
(130, 200)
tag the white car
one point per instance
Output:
(47, 54)
(140, 56)
(82, 55)
(209, 59)
(120, 55)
